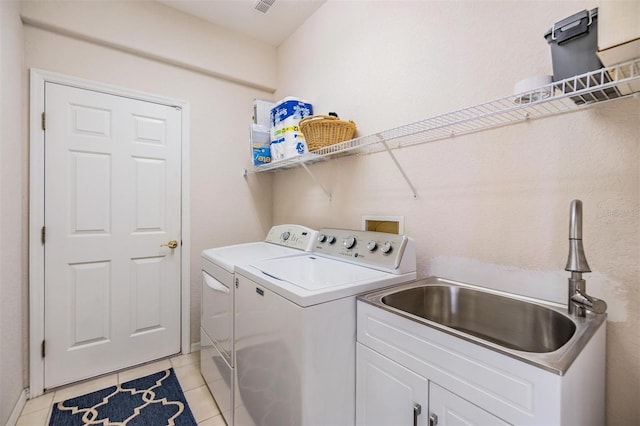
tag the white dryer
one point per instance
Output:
(296, 326)
(216, 332)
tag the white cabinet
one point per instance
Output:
(389, 394)
(401, 363)
(448, 409)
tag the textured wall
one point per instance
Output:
(12, 284)
(492, 207)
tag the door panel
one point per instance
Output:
(90, 193)
(387, 393)
(146, 294)
(90, 308)
(448, 409)
(112, 199)
(149, 194)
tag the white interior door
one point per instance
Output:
(112, 198)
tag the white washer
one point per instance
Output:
(296, 326)
(216, 332)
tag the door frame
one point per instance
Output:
(38, 78)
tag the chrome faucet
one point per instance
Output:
(579, 301)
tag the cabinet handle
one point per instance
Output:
(417, 409)
(433, 420)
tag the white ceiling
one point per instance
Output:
(273, 27)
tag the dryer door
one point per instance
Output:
(217, 314)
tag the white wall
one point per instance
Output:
(12, 167)
(492, 207)
(225, 206)
(153, 30)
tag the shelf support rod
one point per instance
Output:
(397, 163)
(327, 193)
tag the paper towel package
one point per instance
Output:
(260, 144)
(286, 138)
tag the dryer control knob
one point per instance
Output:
(350, 242)
(372, 245)
(322, 238)
(386, 247)
(286, 235)
(331, 239)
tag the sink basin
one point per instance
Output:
(508, 322)
(537, 332)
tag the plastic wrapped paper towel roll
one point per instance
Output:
(286, 138)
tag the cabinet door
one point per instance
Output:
(387, 393)
(448, 409)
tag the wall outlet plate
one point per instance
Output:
(388, 224)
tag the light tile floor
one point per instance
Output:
(36, 411)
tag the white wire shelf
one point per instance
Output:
(572, 94)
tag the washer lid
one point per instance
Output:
(317, 273)
(228, 257)
(309, 280)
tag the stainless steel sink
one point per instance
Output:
(506, 321)
(537, 332)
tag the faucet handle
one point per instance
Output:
(597, 306)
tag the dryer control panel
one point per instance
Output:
(379, 250)
(294, 236)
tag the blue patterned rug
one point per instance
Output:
(156, 399)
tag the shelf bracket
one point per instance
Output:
(397, 163)
(327, 193)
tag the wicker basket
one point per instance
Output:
(324, 130)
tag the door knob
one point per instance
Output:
(171, 244)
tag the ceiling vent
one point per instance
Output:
(263, 5)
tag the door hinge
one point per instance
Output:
(43, 235)
(43, 121)
(42, 349)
